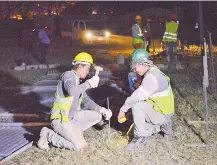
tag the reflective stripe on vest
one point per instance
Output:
(163, 102)
(140, 31)
(170, 36)
(62, 106)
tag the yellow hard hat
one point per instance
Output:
(83, 57)
(138, 17)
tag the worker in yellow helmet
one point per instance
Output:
(137, 33)
(68, 120)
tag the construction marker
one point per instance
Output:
(122, 119)
(109, 119)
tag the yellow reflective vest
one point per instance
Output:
(62, 105)
(138, 33)
(163, 101)
(170, 34)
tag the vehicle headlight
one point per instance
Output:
(88, 35)
(107, 34)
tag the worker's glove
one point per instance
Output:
(94, 81)
(107, 113)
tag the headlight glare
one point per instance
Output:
(107, 34)
(88, 35)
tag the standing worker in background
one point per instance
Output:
(170, 41)
(44, 43)
(138, 43)
(152, 103)
(147, 34)
(68, 120)
(137, 34)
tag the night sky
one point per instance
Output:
(122, 7)
(190, 9)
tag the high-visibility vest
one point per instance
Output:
(170, 35)
(163, 101)
(62, 105)
(138, 40)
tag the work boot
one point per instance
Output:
(166, 130)
(43, 142)
(100, 125)
(135, 142)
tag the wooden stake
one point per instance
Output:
(201, 122)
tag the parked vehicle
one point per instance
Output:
(86, 31)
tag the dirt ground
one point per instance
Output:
(108, 149)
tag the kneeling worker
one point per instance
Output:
(68, 120)
(152, 102)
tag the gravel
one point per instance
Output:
(110, 151)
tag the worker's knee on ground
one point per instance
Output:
(79, 143)
(80, 146)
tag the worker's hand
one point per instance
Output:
(121, 114)
(94, 81)
(107, 113)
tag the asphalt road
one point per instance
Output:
(116, 42)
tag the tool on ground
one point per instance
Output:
(122, 119)
(98, 68)
(130, 132)
(109, 119)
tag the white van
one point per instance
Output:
(87, 31)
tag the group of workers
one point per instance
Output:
(142, 37)
(151, 102)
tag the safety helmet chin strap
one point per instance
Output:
(145, 62)
(148, 64)
(80, 62)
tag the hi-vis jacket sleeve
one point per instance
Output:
(71, 87)
(148, 87)
(76, 90)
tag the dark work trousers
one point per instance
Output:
(148, 39)
(43, 48)
(171, 52)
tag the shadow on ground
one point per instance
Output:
(13, 100)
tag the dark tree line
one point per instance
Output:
(26, 8)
